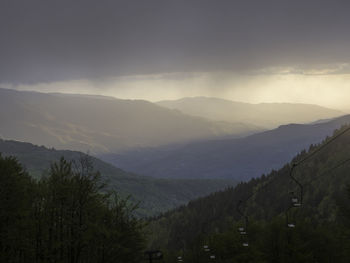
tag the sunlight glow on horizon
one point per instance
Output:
(329, 90)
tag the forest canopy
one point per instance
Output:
(64, 217)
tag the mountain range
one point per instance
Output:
(101, 124)
(265, 115)
(148, 139)
(239, 159)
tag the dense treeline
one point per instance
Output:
(64, 217)
(322, 223)
(153, 195)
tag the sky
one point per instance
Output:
(243, 50)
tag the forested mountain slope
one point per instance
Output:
(239, 159)
(154, 195)
(322, 222)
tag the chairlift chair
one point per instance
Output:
(206, 248)
(242, 231)
(296, 201)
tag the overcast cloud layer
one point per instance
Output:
(48, 41)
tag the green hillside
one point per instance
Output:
(154, 195)
(322, 223)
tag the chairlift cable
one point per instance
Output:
(294, 165)
(297, 202)
(323, 146)
(330, 170)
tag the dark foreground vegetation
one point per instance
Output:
(67, 216)
(321, 225)
(64, 217)
(153, 195)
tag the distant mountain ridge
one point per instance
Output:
(239, 159)
(266, 115)
(101, 124)
(155, 195)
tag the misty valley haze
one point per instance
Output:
(102, 124)
(108, 125)
(239, 159)
(265, 115)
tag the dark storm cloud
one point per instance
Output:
(65, 39)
